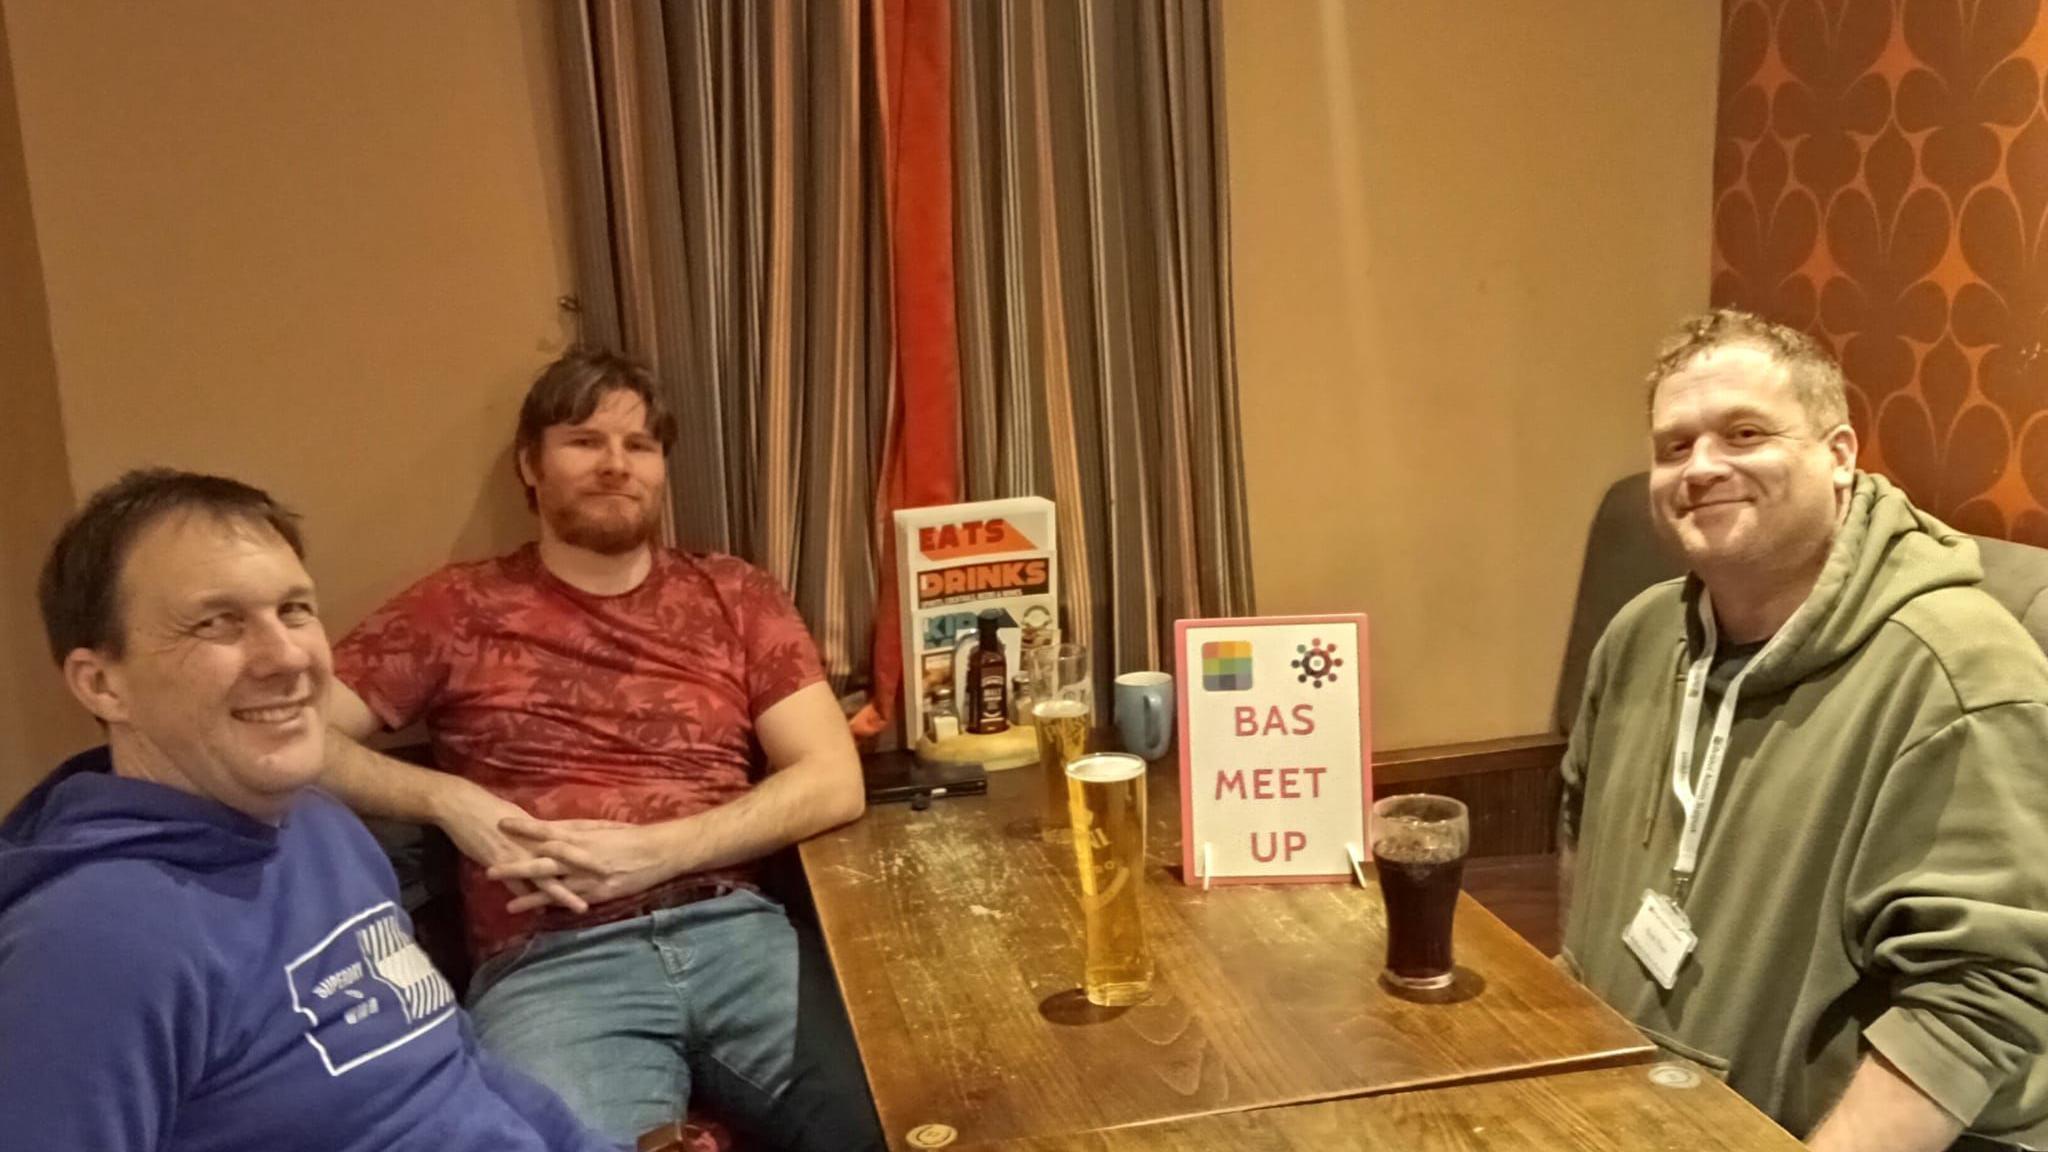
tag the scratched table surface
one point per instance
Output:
(1673, 1107)
(956, 936)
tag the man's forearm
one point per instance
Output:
(1881, 1111)
(816, 785)
(789, 806)
(376, 785)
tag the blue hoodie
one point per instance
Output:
(177, 977)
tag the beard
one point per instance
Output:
(607, 530)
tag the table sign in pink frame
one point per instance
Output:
(1275, 748)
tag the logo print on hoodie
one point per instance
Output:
(366, 989)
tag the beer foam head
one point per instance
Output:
(1059, 709)
(1420, 829)
(1408, 846)
(1105, 768)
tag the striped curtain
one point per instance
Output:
(1092, 245)
(895, 252)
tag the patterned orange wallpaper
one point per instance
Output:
(1881, 180)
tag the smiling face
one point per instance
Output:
(597, 484)
(221, 685)
(1740, 479)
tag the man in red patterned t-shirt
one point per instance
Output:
(622, 729)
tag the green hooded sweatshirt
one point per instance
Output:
(1874, 871)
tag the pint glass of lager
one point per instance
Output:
(1062, 685)
(1106, 800)
(1419, 845)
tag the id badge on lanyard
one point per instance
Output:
(1661, 935)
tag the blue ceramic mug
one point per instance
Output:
(1144, 713)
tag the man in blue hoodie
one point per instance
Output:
(198, 951)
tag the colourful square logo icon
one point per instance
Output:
(1227, 666)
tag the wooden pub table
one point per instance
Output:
(956, 936)
(1676, 1107)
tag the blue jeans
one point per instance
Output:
(724, 998)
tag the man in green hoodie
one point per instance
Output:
(1805, 825)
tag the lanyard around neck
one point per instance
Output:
(1696, 795)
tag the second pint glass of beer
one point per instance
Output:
(1106, 799)
(1419, 844)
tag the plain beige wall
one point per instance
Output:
(314, 245)
(1458, 230)
(38, 721)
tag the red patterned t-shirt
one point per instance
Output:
(638, 707)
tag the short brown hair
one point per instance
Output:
(80, 588)
(570, 389)
(1816, 378)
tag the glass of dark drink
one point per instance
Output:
(1419, 844)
